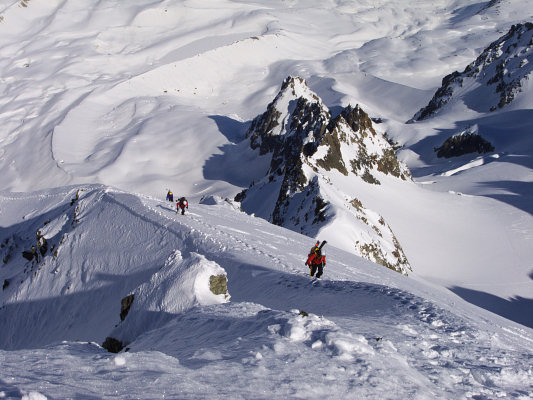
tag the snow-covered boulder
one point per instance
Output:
(213, 200)
(181, 284)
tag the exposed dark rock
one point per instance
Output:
(125, 305)
(369, 178)
(358, 120)
(76, 198)
(320, 209)
(240, 196)
(5, 285)
(32, 254)
(112, 345)
(357, 204)
(504, 65)
(386, 162)
(218, 284)
(373, 251)
(333, 158)
(466, 143)
(42, 243)
(389, 165)
(307, 146)
(441, 96)
(75, 218)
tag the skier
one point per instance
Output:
(170, 196)
(183, 204)
(315, 260)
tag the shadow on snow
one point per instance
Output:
(237, 164)
(518, 309)
(509, 132)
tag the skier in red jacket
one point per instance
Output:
(316, 261)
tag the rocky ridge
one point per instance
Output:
(497, 75)
(309, 147)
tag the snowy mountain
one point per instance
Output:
(128, 267)
(497, 79)
(498, 76)
(308, 149)
(107, 105)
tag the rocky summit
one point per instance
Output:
(308, 148)
(494, 80)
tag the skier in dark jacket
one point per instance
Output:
(183, 204)
(316, 261)
(170, 196)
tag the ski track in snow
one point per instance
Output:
(221, 231)
(446, 341)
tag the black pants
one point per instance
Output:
(318, 268)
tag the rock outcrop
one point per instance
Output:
(466, 142)
(308, 148)
(497, 75)
(112, 345)
(181, 284)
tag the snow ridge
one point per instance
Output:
(372, 333)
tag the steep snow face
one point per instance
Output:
(497, 78)
(307, 148)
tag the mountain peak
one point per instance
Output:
(496, 76)
(298, 87)
(308, 148)
(295, 109)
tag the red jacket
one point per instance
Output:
(315, 258)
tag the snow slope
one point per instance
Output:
(91, 87)
(153, 95)
(145, 95)
(368, 332)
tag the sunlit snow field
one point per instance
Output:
(142, 96)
